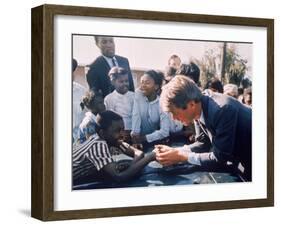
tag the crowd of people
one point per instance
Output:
(214, 122)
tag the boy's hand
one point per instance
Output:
(126, 136)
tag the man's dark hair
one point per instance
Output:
(215, 84)
(190, 70)
(170, 71)
(97, 37)
(245, 83)
(104, 119)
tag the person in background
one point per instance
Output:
(170, 72)
(149, 123)
(77, 115)
(190, 70)
(215, 85)
(97, 76)
(94, 161)
(121, 100)
(174, 62)
(247, 96)
(94, 103)
(231, 90)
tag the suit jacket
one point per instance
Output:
(97, 76)
(230, 124)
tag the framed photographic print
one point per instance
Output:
(141, 112)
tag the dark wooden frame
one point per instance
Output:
(42, 203)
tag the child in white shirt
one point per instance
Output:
(121, 100)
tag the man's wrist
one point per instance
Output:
(183, 156)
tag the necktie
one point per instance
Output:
(204, 129)
(113, 62)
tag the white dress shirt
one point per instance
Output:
(193, 157)
(122, 104)
(109, 61)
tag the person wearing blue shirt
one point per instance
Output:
(149, 122)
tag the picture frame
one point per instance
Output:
(43, 108)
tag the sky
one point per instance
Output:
(152, 53)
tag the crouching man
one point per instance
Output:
(223, 127)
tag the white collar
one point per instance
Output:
(108, 57)
(152, 102)
(202, 119)
(119, 94)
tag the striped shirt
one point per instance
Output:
(90, 157)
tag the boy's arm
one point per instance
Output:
(131, 151)
(133, 170)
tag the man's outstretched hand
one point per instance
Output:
(167, 156)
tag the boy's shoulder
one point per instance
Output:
(130, 94)
(94, 139)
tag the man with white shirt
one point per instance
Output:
(97, 76)
(223, 127)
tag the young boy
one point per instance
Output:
(93, 158)
(121, 100)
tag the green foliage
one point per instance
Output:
(211, 65)
(208, 66)
(235, 66)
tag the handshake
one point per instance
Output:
(167, 156)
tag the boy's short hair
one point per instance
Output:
(104, 119)
(116, 72)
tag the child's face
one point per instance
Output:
(121, 84)
(114, 133)
(148, 86)
(99, 105)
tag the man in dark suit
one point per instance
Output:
(223, 127)
(97, 76)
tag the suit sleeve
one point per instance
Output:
(131, 81)
(93, 79)
(224, 139)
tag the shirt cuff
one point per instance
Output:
(192, 157)
(150, 138)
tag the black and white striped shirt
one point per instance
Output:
(91, 156)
